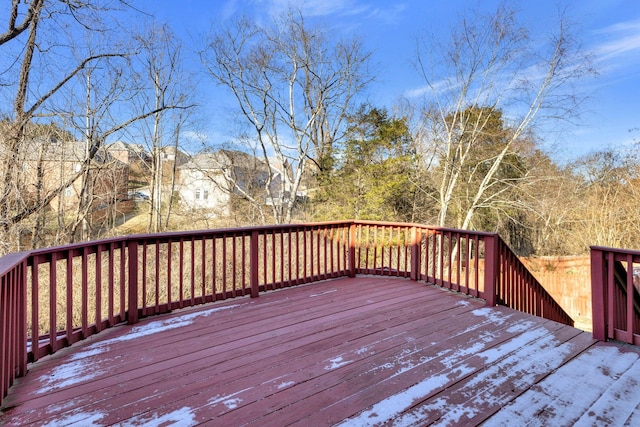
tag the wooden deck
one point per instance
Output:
(362, 351)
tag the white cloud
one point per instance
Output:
(321, 8)
(312, 7)
(435, 89)
(620, 40)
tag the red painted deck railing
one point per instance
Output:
(51, 298)
(615, 285)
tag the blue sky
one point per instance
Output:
(608, 29)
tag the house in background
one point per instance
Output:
(128, 153)
(209, 181)
(48, 163)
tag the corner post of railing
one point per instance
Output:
(598, 294)
(132, 250)
(22, 339)
(352, 250)
(253, 264)
(415, 253)
(491, 268)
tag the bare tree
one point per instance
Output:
(165, 90)
(487, 71)
(293, 86)
(47, 66)
(15, 28)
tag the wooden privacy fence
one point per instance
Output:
(51, 298)
(615, 282)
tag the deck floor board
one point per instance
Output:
(357, 351)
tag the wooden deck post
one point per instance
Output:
(491, 269)
(132, 250)
(415, 253)
(598, 295)
(22, 338)
(253, 264)
(352, 250)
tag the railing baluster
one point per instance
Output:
(253, 251)
(273, 260)
(224, 266)
(123, 284)
(132, 282)
(169, 275)
(282, 259)
(310, 254)
(35, 308)
(214, 271)
(110, 285)
(193, 270)
(53, 316)
(21, 320)
(181, 273)
(98, 308)
(156, 308)
(234, 262)
(203, 268)
(69, 288)
(265, 260)
(630, 299)
(5, 333)
(610, 297)
(85, 293)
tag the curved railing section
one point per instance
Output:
(51, 298)
(615, 286)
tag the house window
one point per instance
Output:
(205, 195)
(197, 194)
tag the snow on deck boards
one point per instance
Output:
(351, 352)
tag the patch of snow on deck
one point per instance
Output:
(512, 363)
(392, 406)
(362, 350)
(599, 387)
(68, 374)
(232, 403)
(228, 399)
(403, 362)
(336, 362)
(81, 369)
(453, 358)
(69, 404)
(530, 347)
(491, 314)
(156, 327)
(286, 384)
(323, 293)
(515, 343)
(83, 419)
(521, 326)
(452, 414)
(182, 417)
(87, 353)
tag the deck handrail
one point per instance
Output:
(615, 294)
(53, 297)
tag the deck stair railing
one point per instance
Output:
(615, 286)
(53, 297)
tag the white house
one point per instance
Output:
(208, 180)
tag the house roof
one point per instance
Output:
(223, 159)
